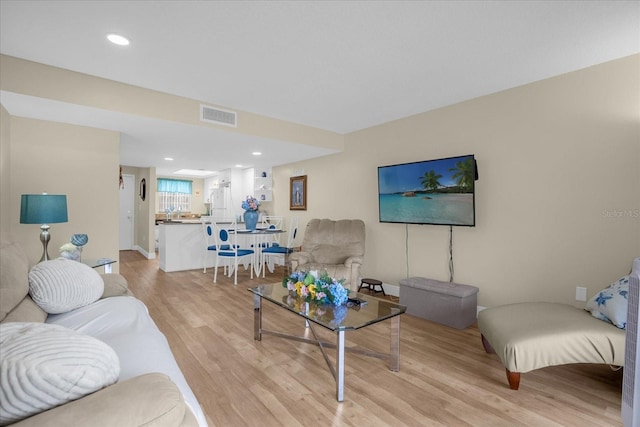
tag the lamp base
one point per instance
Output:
(44, 238)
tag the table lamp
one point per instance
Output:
(43, 209)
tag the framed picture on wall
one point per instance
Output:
(298, 193)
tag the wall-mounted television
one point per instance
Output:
(440, 192)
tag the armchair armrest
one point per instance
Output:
(353, 260)
(140, 401)
(299, 258)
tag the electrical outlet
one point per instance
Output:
(581, 293)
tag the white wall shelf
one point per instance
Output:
(263, 185)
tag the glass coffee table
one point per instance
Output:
(338, 319)
(100, 262)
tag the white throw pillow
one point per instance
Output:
(43, 366)
(610, 304)
(62, 285)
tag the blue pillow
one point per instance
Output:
(610, 304)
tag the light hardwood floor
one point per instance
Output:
(445, 378)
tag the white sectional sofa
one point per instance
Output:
(95, 358)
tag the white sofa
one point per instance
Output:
(115, 328)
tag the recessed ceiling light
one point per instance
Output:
(168, 158)
(194, 172)
(238, 166)
(257, 153)
(118, 39)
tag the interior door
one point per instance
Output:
(127, 200)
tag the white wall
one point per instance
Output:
(557, 159)
(78, 161)
(5, 166)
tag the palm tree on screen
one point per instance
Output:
(464, 174)
(430, 180)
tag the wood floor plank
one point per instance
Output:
(445, 378)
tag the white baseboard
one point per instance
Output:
(146, 254)
(391, 289)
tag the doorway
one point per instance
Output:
(127, 200)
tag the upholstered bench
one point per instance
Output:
(448, 303)
(533, 335)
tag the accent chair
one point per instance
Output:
(334, 246)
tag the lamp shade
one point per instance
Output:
(43, 208)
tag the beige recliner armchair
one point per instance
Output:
(336, 246)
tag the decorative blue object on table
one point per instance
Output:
(250, 206)
(250, 219)
(79, 239)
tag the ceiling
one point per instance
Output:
(338, 66)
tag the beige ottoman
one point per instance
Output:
(533, 335)
(448, 303)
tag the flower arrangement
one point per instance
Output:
(333, 315)
(250, 204)
(311, 288)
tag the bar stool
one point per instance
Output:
(371, 285)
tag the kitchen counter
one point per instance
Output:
(181, 246)
(177, 221)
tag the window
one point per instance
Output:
(174, 195)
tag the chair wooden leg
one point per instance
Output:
(486, 345)
(514, 379)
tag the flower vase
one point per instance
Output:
(250, 219)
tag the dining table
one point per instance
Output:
(257, 239)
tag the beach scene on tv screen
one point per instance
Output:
(429, 192)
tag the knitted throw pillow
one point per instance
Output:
(62, 285)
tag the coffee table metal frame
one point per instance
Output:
(393, 312)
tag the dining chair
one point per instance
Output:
(276, 254)
(228, 249)
(273, 223)
(209, 240)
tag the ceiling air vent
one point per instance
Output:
(218, 116)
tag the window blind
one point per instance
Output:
(174, 186)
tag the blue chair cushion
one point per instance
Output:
(277, 250)
(222, 247)
(241, 252)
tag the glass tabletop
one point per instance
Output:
(329, 316)
(100, 262)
